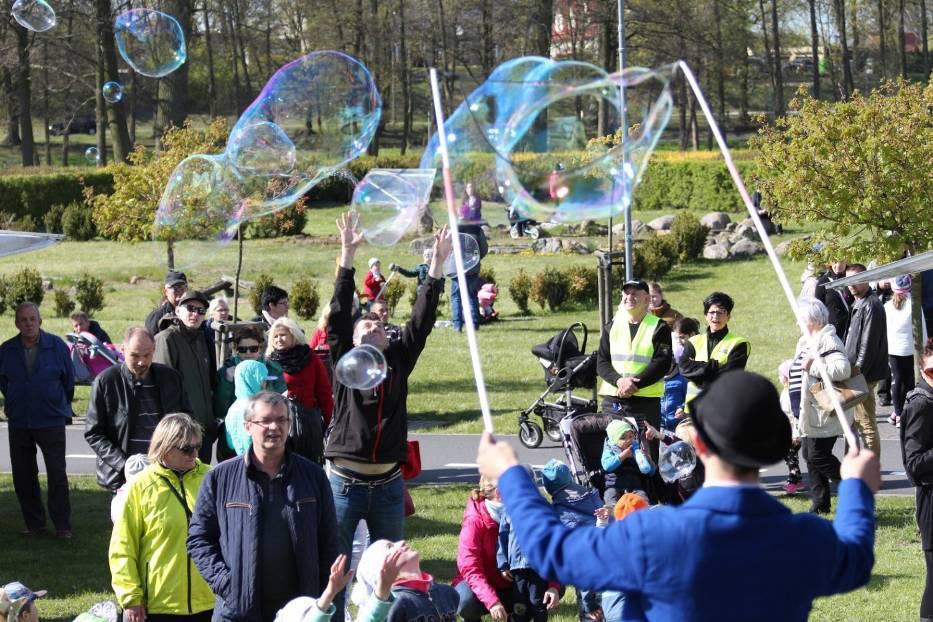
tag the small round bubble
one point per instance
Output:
(112, 92)
(34, 15)
(676, 462)
(469, 249)
(388, 202)
(151, 42)
(364, 367)
(91, 154)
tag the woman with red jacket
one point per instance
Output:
(480, 585)
(305, 375)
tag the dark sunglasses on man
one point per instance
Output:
(195, 309)
(245, 349)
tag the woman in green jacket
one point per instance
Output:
(152, 575)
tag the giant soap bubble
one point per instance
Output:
(150, 41)
(34, 15)
(536, 131)
(469, 250)
(364, 367)
(388, 202)
(676, 462)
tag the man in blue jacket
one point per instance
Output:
(728, 552)
(264, 529)
(37, 381)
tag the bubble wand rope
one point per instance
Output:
(458, 256)
(385, 285)
(847, 431)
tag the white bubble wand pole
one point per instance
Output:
(847, 431)
(458, 255)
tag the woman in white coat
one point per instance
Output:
(819, 429)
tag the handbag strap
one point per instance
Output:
(833, 351)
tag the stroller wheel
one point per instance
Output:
(533, 232)
(553, 432)
(530, 434)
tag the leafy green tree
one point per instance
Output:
(858, 170)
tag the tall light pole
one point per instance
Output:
(627, 207)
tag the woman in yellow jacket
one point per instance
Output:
(152, 575)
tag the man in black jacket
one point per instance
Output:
(369, 430)
(176, 286)
(867, 349)
(127, 402)
(262, 531)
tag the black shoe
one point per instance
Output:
(819, 511)
(884, 401)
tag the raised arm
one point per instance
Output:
(340, 322)
(424, 313)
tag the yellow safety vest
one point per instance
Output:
(720, 353)
(631, 357)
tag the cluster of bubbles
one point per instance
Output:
(34, 15)
(150, 41)
(112, 92)
(533, 132)
(313, 116)
(388, 202)
(677, 461)
(364, 367)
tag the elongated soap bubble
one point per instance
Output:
(313, 116)
(151, 42)
(364, 367)
(112, 92)
(198, 203)
(388, 202)
(34, 15)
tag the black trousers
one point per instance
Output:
(202, 616)
(902, 380)
(528, 589)
(23, 452)
(926, 600)
(822, 466)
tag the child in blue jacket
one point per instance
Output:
(533, 596)
(675, 385)
(618, 461)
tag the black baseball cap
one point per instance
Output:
(637, 285)
(174, 278)
(194, 294)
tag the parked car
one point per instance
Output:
(79, 125)
(799, 66)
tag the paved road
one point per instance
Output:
(451, 458)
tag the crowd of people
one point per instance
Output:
(269, 533)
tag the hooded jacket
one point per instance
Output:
(225, 392)
(372, 426)
(112, 411)
(476, 554)
(189, 353)
(149, 564)
(248, 379)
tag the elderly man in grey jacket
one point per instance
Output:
(867, 349)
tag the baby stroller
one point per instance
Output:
(520, 225)
(566, 367)
(90, 356)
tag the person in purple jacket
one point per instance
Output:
(714, 557)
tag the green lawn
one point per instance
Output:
(442, 388)
(76, 572)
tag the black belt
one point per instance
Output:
(367, 480)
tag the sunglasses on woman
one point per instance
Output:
(245, 349)
(188, 449)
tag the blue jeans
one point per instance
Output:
(456, 307)
(380, 505)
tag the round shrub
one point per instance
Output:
(255, 295)
(64, 305)
(393, 293)
(89, 291)
(549, 288)
(520, 290)
(24, 285)
(289, 221)
(488, 274)
(53, 219)
(305, 298)
(77, 223)
(654, 257)
(582, 286)
(689, 235)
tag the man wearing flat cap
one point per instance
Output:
(184, 347)
(634, 355)
(726, 553)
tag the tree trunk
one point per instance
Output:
(211, 81)
(902, 39)
(170, 254)
(542, 23)
(116, 110)
(45, 103)
(488, 43)
(358, 29)
(720, 71)
(778, 73)
(882, 47)
(238, 33)
(694, 126)
(173, 88)
(767, 41)
(848, 85)
(24, 96)
(404, 64)
(228, 31)
(12, 138)
(923, 37)
(815, 49)
(100, 111)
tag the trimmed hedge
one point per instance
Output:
(34, 195)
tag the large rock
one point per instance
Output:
(639, 230)
(572, 246)
(716, 221)
(715, 251)
(781, 249)
(547, 245)
(744, 232)
(765, 222)
(662, 223)
(747, 248)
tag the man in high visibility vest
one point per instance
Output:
(635, 354)
(709, 354)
